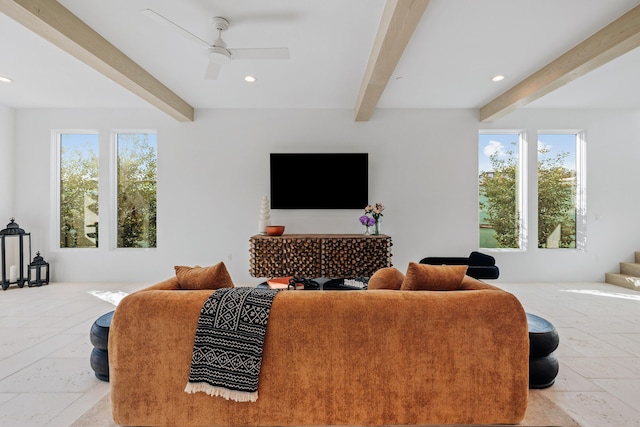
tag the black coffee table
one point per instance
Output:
(327, 284)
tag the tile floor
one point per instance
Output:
(46, 379)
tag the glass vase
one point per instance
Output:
(376, 227)
(367, 230)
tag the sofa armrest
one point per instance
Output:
(470, 283)
(170, 284)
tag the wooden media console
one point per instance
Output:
(319, 255)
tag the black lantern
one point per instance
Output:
(15, 252)
(38, 271)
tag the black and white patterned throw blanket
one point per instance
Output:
(227, 352)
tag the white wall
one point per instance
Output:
(213, 173)
(7, 158)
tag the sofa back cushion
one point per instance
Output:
(213, 277)
(426, 277)
(478, 258)
(386, 278)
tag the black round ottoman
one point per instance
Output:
(99, 336)
(543, 341)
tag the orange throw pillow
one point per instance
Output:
(213, 277)
(386, 278)
(425, 277)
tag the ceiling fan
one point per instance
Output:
(217, 51)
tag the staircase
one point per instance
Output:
(629, 276)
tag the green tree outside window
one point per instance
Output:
(137, 198)
(79, 190)
(499, 211)
(557, 191)
(500, 216)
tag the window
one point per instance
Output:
(561, 201)
(560, 190)
(78, 189)
(136, 190)
(501, 199)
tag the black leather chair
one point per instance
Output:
(481, 266)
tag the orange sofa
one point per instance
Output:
(376, 357)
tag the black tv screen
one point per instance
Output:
(319, 180)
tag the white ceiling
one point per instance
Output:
(458, 46)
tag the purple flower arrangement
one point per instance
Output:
(367, 221)
(374, 220)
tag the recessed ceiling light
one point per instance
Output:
(497, 78)
(250, 79)
(5, 79)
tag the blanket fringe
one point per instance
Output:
(238, 396)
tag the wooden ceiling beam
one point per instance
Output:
(399, 21)
(612, 41)
(58, 25)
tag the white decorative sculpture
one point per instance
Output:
(265, 216)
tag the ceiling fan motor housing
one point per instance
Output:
(218, 52)
(219, 55)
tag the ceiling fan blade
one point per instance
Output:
(172, 25)
(212, 72)
(259, 16)
(266, 53)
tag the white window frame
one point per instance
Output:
(54, 233)
(581, 187)
(521, 185)
(113, 187)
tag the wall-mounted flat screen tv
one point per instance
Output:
(319, 180)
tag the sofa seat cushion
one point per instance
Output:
(483, 271)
